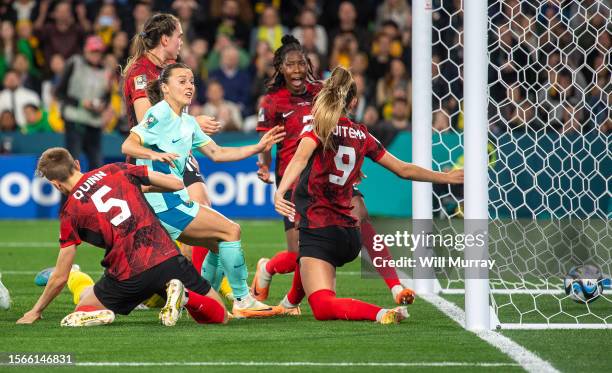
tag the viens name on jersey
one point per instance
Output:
(86, 186)
(344, 131)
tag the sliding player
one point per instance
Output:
(106, 208)
(328, 234)
(163, 142)
(289, 102)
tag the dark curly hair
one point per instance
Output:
(290, 44)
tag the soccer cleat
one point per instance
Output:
(405, 297)
(5, 297)
(288, 308)
(394, 316)
(289, 311)
(175, 300)
(42, 277)
(252, 308)
(261, 293)
(92, 318)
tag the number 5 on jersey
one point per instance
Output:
(110, 203)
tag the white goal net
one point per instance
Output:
(550, 158)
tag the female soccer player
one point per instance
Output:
(327, 161)
(289, 103)
(106, 208)
(157, 45)
(163, 142)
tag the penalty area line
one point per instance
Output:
(295, 364)
(525, 358)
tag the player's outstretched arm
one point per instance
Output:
(56, 284)
(413, 172)
(297, 164)
(228, 154)
(132, 146)
(162, 183)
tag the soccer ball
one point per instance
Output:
(584, 283)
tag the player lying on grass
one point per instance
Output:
(327, 162)
(106, 208)
(163, 142)
(288, 103)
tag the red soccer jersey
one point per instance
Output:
(325, 188)
(283, 108)
(138, 75)
(107, 209)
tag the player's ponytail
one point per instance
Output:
(150, 36)
(331, 102)
(154, 91)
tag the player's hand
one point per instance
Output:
(164, 157)
(284, 207)
(263, 173)
(273, 136)
(30, 317)
(209, 125)
(454, 177)
(360, 178)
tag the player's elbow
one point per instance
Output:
(406, 172)
(125, 147)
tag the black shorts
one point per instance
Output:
(335, 245)
(192, 173)
(123, 296)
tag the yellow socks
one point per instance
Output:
(77, 282)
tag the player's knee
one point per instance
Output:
(321, 302)
(234, 232)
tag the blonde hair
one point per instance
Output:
(331, 102)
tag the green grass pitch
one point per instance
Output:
(428, 340)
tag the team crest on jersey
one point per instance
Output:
(151, 121)
(140, 82)
(261, 115)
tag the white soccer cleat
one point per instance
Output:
(92, 318)
(5, 297)
(249, 307)
(175, 300)
(394, 316)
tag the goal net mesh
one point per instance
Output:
(550, 164)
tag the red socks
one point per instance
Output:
(204, 310)
(282, 262)
(325, 306)
(197, 257)
(387, 273)
(296, 293)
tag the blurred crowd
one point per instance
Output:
(550, 64)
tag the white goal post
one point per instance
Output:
(519, 94)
